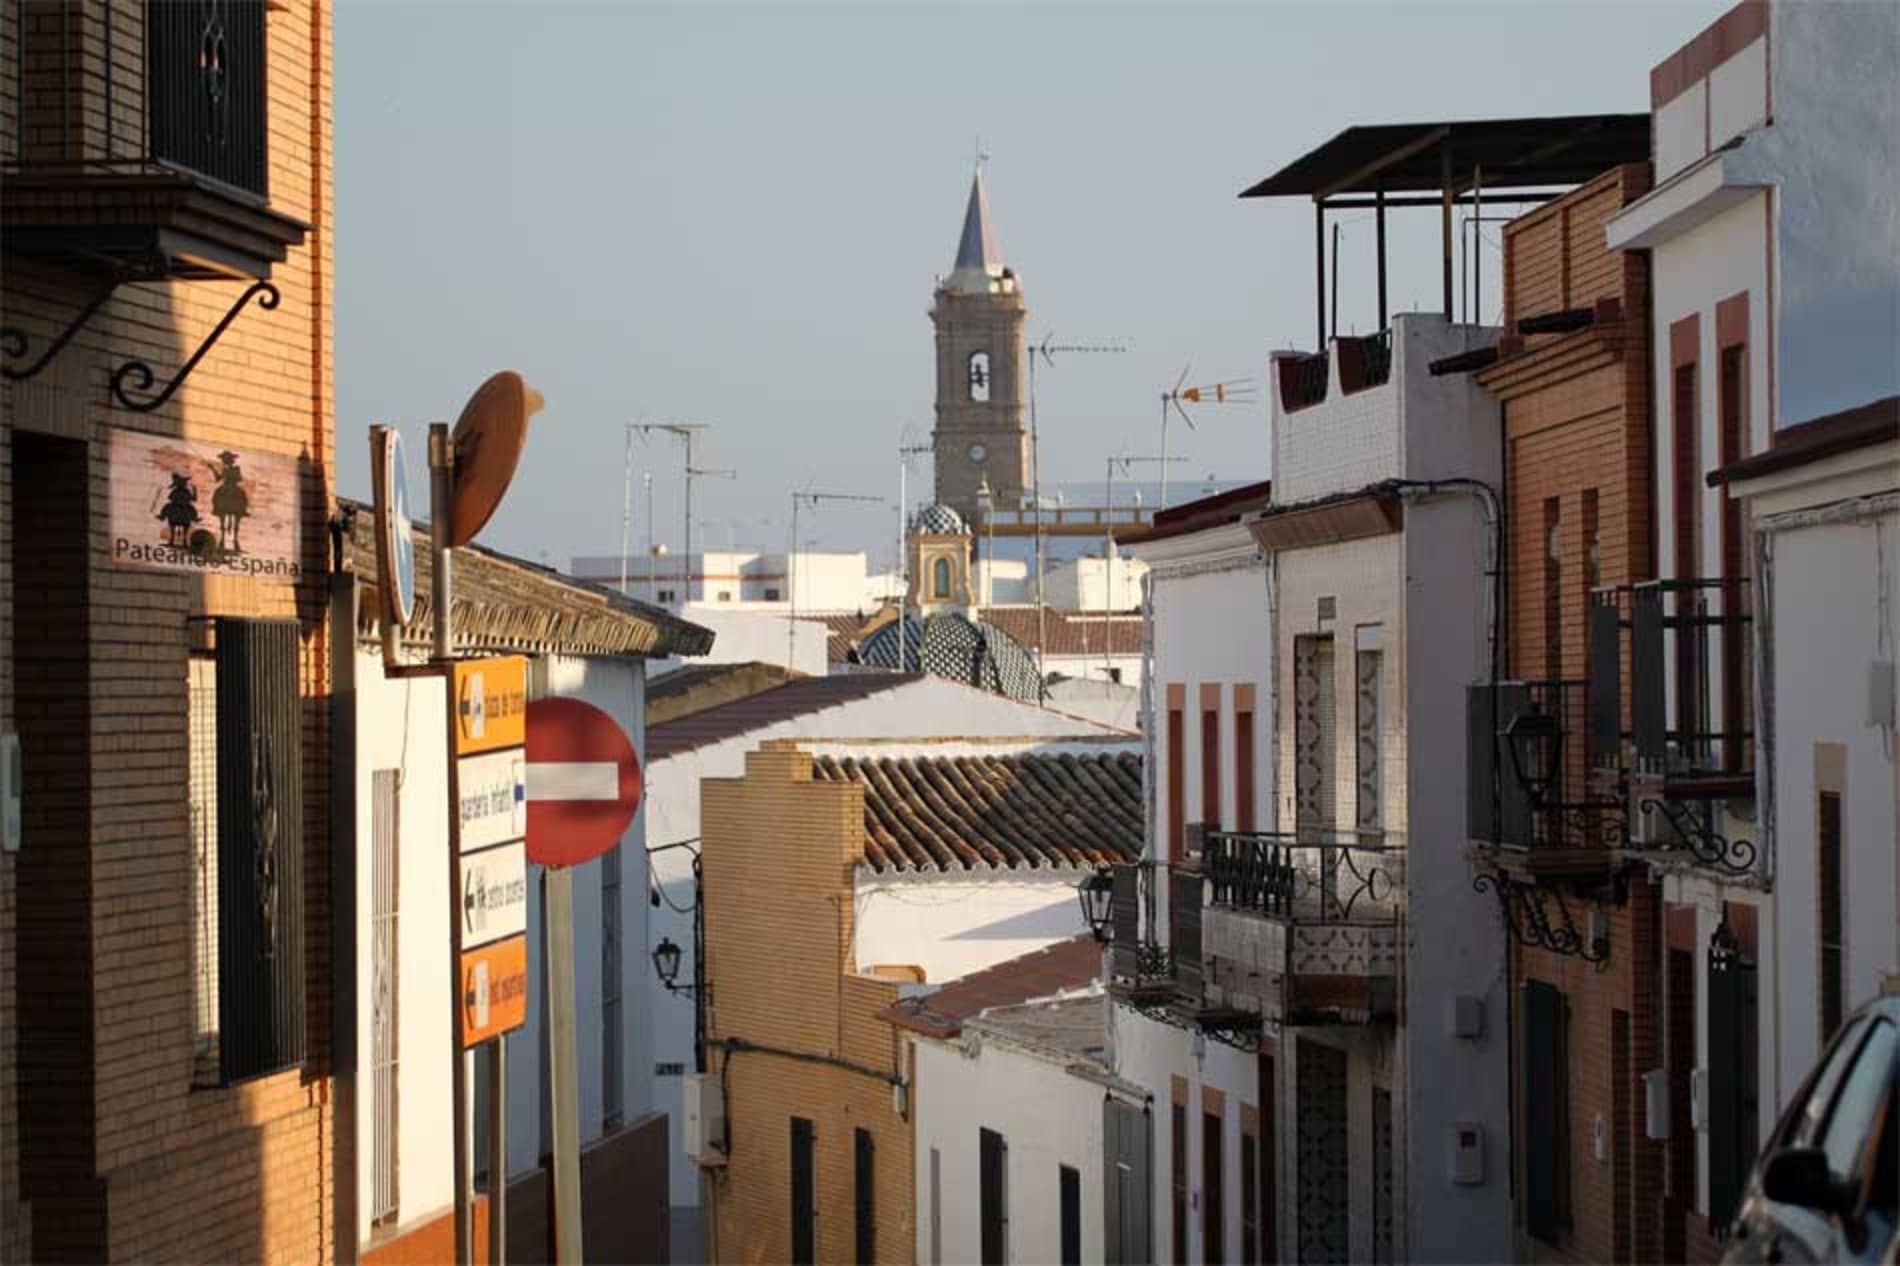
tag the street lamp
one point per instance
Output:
(1097, 895)
(1535, 740)
(666, 962)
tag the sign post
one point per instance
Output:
(583, 783)
(486, 719)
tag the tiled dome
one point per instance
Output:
(939, 520)
(951, 644)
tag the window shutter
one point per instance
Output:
(1070, 1182)
(1187, 933)
(260, 849)
(1544, 1110)
(866, 1166)
(992, 1156)
(1606, 684)
(1124, 919)
(804, 1207)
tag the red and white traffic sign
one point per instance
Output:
(583, 780)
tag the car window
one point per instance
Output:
(1805, 1128)
(1860, 1102)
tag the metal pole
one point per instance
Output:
(1378, 215)
(441, 492)
(498, 1151)
(1319, 280)
(686, 558)
(1035, 479)
(903, 562)
(646, 490)
(564, 1099)
(1444, 174)
(791, 589)
(1477, 244)
(626, 506)
(699, 969)
(1336, 279)
(1164, 452)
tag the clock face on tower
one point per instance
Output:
(978, 452)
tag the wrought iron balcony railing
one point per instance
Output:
(1309, 877)
(1687, 713)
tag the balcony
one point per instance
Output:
(1141, 967)
(1682, 732)
(1303, 929)
(1544, 793)
(146, 177)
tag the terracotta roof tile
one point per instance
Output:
(1071, 632)
(1059, 968)
(1025, 810)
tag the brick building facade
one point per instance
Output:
(127, 1130)
(808, 1066)
(1576, 434)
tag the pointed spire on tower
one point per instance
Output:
(979, 258)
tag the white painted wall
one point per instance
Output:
(1829, 619)
(915, 718)
(1095, 584)
(964, 921)
(1116, 704)
(1151, 1054)
(1048, 1118)
(756, 632)
(1096, 668)
(820, 581)
(399, 727)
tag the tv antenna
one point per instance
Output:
(1047, 350)
(810, 498)
(1174, 401)
(688, 433)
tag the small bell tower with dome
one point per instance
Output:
(979, 314)
(939, 560)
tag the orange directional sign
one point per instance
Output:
(491, 704)
(494, 990)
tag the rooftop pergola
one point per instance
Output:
(1447, 164)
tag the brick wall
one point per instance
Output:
(778, 854)
(159, 1170)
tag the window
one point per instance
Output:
(1210, 758)
(940, 578)
(1546, 1133)
(772, 595)
(1115, 675)
(1592, 547)
(1249, 1196)
(1315, 744)
(1178, 1179)
(202, 772)
(1177, 772)
(666, 595)
(936, 1208)
(1269, 1193)
(1553, 589)
(979, 371)
(1369, 745)
(1857, 1107)
(864, 1152)
(1687, 508)
(385, 1000)
(1243, 759)
(1070, 1183)
(1680, 1048)
(1737, 679)
(612, 1039)
(804, 1202)
(1213, 1188)
(725, 595)
(1833, 949)
(993, 1194)
(244, 753)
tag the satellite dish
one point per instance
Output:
(489, 437)
(395, 541)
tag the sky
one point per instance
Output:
(735, 215)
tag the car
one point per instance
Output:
(1826, 1188)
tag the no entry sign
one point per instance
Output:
(583, 780)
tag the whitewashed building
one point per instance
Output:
(902, 917)
(1015, 1106)
(1775, 277)
(582, 643)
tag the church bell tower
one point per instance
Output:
(979, 313)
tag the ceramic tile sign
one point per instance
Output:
(494, 894)
(182, 505)
(494, 990)
(492, 797)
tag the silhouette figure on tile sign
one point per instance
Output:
(230, 502)
(180, 511)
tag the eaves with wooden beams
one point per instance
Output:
(508, 605)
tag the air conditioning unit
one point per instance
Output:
(703, 1118)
